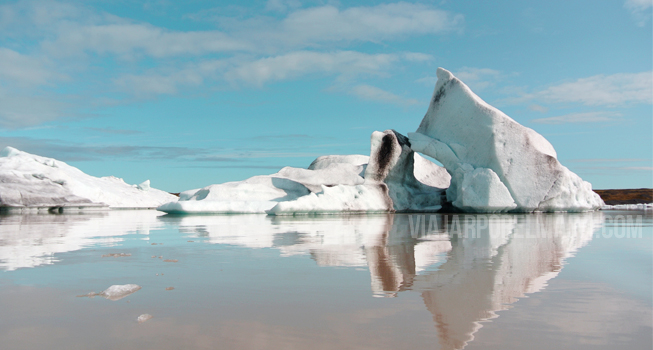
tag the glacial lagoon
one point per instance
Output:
(391, 281)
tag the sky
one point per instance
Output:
(194, 93)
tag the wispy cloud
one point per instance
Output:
(372, 93)
(610, 160)
(599, 90)
(640, 10)
(67, 151)
(115, 131)
(588, 117)
(23, 70)
(282, 5)
(476, 78)
(301, 28)
(295, 64)
(128, 40)
(143, 60)
(24, 109)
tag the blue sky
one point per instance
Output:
(192, 93)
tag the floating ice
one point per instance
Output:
(115, 292)
(144, 317)
(119, 291)
(496, 164)
(30, 181)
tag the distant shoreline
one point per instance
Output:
(626, 196)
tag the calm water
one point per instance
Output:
(566, 281)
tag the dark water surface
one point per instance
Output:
(538, 281)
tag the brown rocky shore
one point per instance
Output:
(626, 196)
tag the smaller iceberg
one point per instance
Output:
(28, 182)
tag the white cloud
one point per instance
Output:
(374, 23)
(20, 110)
(301, 28)
(538, 108)
(295, 64)
(373, 93)
(609, 160)
(588, 117)
(24, 70)
(476, 78)
(127, 39)
(84, 43)
(599, 90)
(640, 10)
(282, 5)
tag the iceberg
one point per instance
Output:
(30, 182)
(496, 164)
(491, 164)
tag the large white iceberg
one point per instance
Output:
(29, 181)
(491, 164)
(496, 164)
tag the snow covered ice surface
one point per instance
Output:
(29, 181)
(497, 165)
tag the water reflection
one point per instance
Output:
(465, 267)
(32, 240)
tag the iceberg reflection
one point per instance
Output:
(466, 267)
(32, 240)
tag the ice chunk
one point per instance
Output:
(119, 291)
(31, 181)
(464, 133)
(115, 292)
(143, 318)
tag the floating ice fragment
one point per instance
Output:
(144, 317)
(119, 291)
(115, 292)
